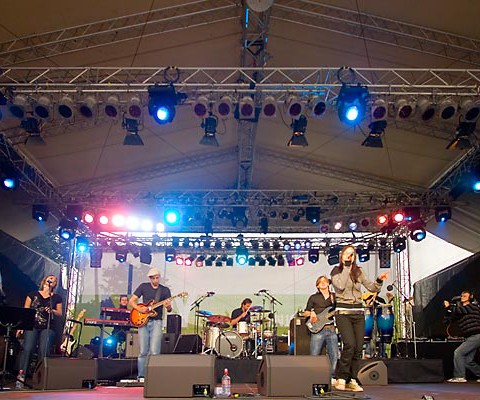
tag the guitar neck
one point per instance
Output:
(161, 303)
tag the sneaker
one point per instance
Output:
(333, 382)
(340, 384)
(478, 380)
(354, 386)
(141, 379)
(457, 380)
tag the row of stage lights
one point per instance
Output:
(352, 104)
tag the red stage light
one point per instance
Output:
(88, 217)
(398, 217)
(118, 220)
(300, 261)
(179, 260)
(365, 222)
(382, 219)
(188, 261)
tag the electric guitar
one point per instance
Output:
(139, 319)
(69, 342)
(322, 319)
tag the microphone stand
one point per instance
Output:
(408, 321)
(196, 306)
(273, 300)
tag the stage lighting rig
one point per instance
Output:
(299, 126)
(132, 126)
(209, 124)
(374, 138)
(352, 103)
(40, 212)
(162, 102)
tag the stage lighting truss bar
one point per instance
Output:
(117, 30)
(378, 29)
(225, 80)
(32, 181)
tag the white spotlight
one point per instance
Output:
(225, 107)
(112, 106)
(43, 108)
(318, 107)
(246, 108)
(88, 107)
(470, 110)
(200, 107)
(18, 107)
(65, 107)
(426, 109)
(269, 107)
(379, 110)
(447, 109)
(134, 108)
(294, 107)
(404, 109)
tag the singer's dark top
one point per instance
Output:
(237, 312)
(148, 293)
(39, 303)
(468, 318)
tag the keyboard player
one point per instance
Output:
(120, 332)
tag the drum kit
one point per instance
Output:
(247, 340)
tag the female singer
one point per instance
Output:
(47, 305)
(347, 280)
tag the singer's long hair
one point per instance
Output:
(355, 269)
(44, 281)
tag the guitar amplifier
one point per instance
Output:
(299, 337)
(132, 347)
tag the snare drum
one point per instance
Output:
(369, 323)
(242, 328)
(211, 335)
(229, 344)
(385, 322)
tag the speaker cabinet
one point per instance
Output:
(132, 348)
(65, 373)
(188, 344)
(294, 376)
(169, 341)
(299, 337)
(174, 324)
(373, 373)
(179, 375)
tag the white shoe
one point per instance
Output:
(333, 382)
(457, 380)
(340, 384)
(354, 386)
(141, 380)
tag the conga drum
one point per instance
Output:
(385, 322)
(369, 323)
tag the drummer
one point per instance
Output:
(241, 314)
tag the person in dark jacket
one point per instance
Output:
(467, 315)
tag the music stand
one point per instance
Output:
(14, 318)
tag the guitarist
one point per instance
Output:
(324, 299)
(150, 335)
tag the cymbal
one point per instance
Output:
(216, 319)
(261, 311)
(221, 325)
(204, 313)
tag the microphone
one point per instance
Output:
(263, 291)
(49, 280)
(210, 294)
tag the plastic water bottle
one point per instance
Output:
(226, 383)
(21, 376)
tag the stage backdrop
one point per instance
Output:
(290, 285)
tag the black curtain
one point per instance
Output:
(430, 292)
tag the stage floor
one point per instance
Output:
(439, 391)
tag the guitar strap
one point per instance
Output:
(158, 293)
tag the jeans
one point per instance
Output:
(352, 329)
(328, 336)
(150, 342)
(43, 337)
(463, 357)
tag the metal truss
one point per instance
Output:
(33, 183)
(116, 30)
(377, 29)
(198, 13)
(240, 80)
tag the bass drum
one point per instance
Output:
(385, 322)
(229, 344)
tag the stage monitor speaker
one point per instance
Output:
(179, 375)
(188, 344)
(132, 348)
(169, 341)
(83, 353)
(373, 373)
(299, 337)
(65, 373)
(294, 376)
(174, 324)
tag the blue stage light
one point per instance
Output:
(172, 217)
(9, 183)
(162, 102)
(82, 244)
(352, 104)
(476, 186)
(241, 255)
(163, 114)
(352, 113)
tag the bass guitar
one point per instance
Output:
(69, 342)
(139, 319)
(322, 319)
